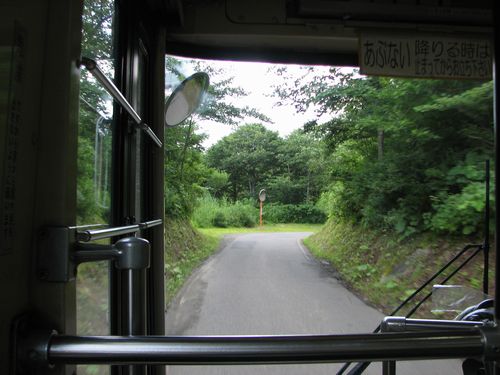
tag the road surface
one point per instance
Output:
(266, 284)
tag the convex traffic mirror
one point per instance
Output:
(262, 195)
(186, 98)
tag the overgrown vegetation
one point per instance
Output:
(266, 228)
(404, 155)
(384, 269)
(222, 213)
(294, 213)
(185, 249)
(212, 212)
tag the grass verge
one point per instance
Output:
(384, 270)
(269, 228)
(185, 250)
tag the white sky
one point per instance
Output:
(255, 79)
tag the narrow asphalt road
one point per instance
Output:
(268, 283)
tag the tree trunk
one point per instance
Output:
(184, 149)
(308, 184)
(380, 144)
(251, 187)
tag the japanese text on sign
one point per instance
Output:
(426, 57)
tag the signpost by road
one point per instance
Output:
(262, 198)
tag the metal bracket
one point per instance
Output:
(30, 345)
(402, 324)
(129, 253)
(59, 254)
(490, 333)
(491, 336)
(109, 86)
(54, 261)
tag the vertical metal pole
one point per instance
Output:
(260, 214)
(134, 260)
(136, 303)
(486, 245)
(135, 312)
(389, 368)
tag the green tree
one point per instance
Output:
(216, 182)
(94, 163)
(304, 171)
(393, 143)
(184, 171)
(94, 166)
(249, 156)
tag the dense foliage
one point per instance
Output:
(289, 169)
(294, 213)
(395, 154)
(94, 137)
(212, 212)
(94, 169)
(406, 155)
(256, 158)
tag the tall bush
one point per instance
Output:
(211, 212)
(293, 213)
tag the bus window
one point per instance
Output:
(94, 170)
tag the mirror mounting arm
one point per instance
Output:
(151, 133)
(91, 66)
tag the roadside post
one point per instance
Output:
(262, 198)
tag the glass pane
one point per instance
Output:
(94, 155)
(94, 170)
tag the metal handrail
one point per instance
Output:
(99, 234)
(88, 226)
(91, 66)
(165, 350)
(402, 324)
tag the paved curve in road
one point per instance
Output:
(268, 283)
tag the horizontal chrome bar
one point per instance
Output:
(402, 324)
(183, 350)
(110, 87)
(99, 234)
(151, 223)
(88, 226)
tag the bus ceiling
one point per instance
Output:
(310, 31)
